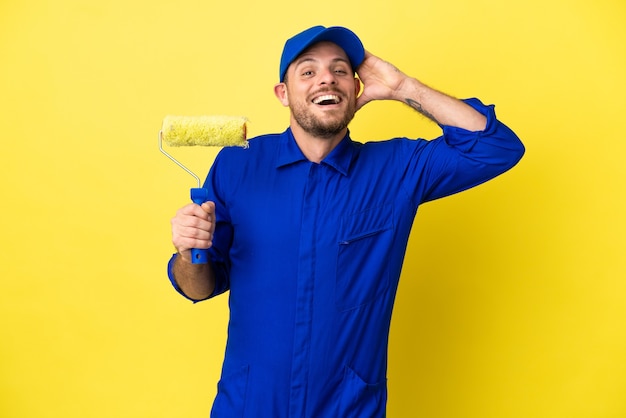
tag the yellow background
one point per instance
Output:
(513, 298)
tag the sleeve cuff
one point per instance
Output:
(465, 140)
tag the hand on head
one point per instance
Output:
(381, 80)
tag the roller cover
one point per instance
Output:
(182, 131)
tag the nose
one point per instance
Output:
(327, 76)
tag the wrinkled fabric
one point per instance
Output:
(311, 255)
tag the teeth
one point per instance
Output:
(326, 98)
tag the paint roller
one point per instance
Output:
(219, 131)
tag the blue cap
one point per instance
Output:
(341, 36)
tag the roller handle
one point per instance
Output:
(199, 195)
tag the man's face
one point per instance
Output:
(321, 90)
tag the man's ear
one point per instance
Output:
(357, 86)
(280, 91)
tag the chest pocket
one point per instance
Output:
(365, 242)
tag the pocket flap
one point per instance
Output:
(365, 223)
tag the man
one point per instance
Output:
(308, 230)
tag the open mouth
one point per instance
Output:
(327, 99)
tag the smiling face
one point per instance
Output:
(320, 89)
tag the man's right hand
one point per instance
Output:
(193, 227)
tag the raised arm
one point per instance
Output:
(383, 81)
